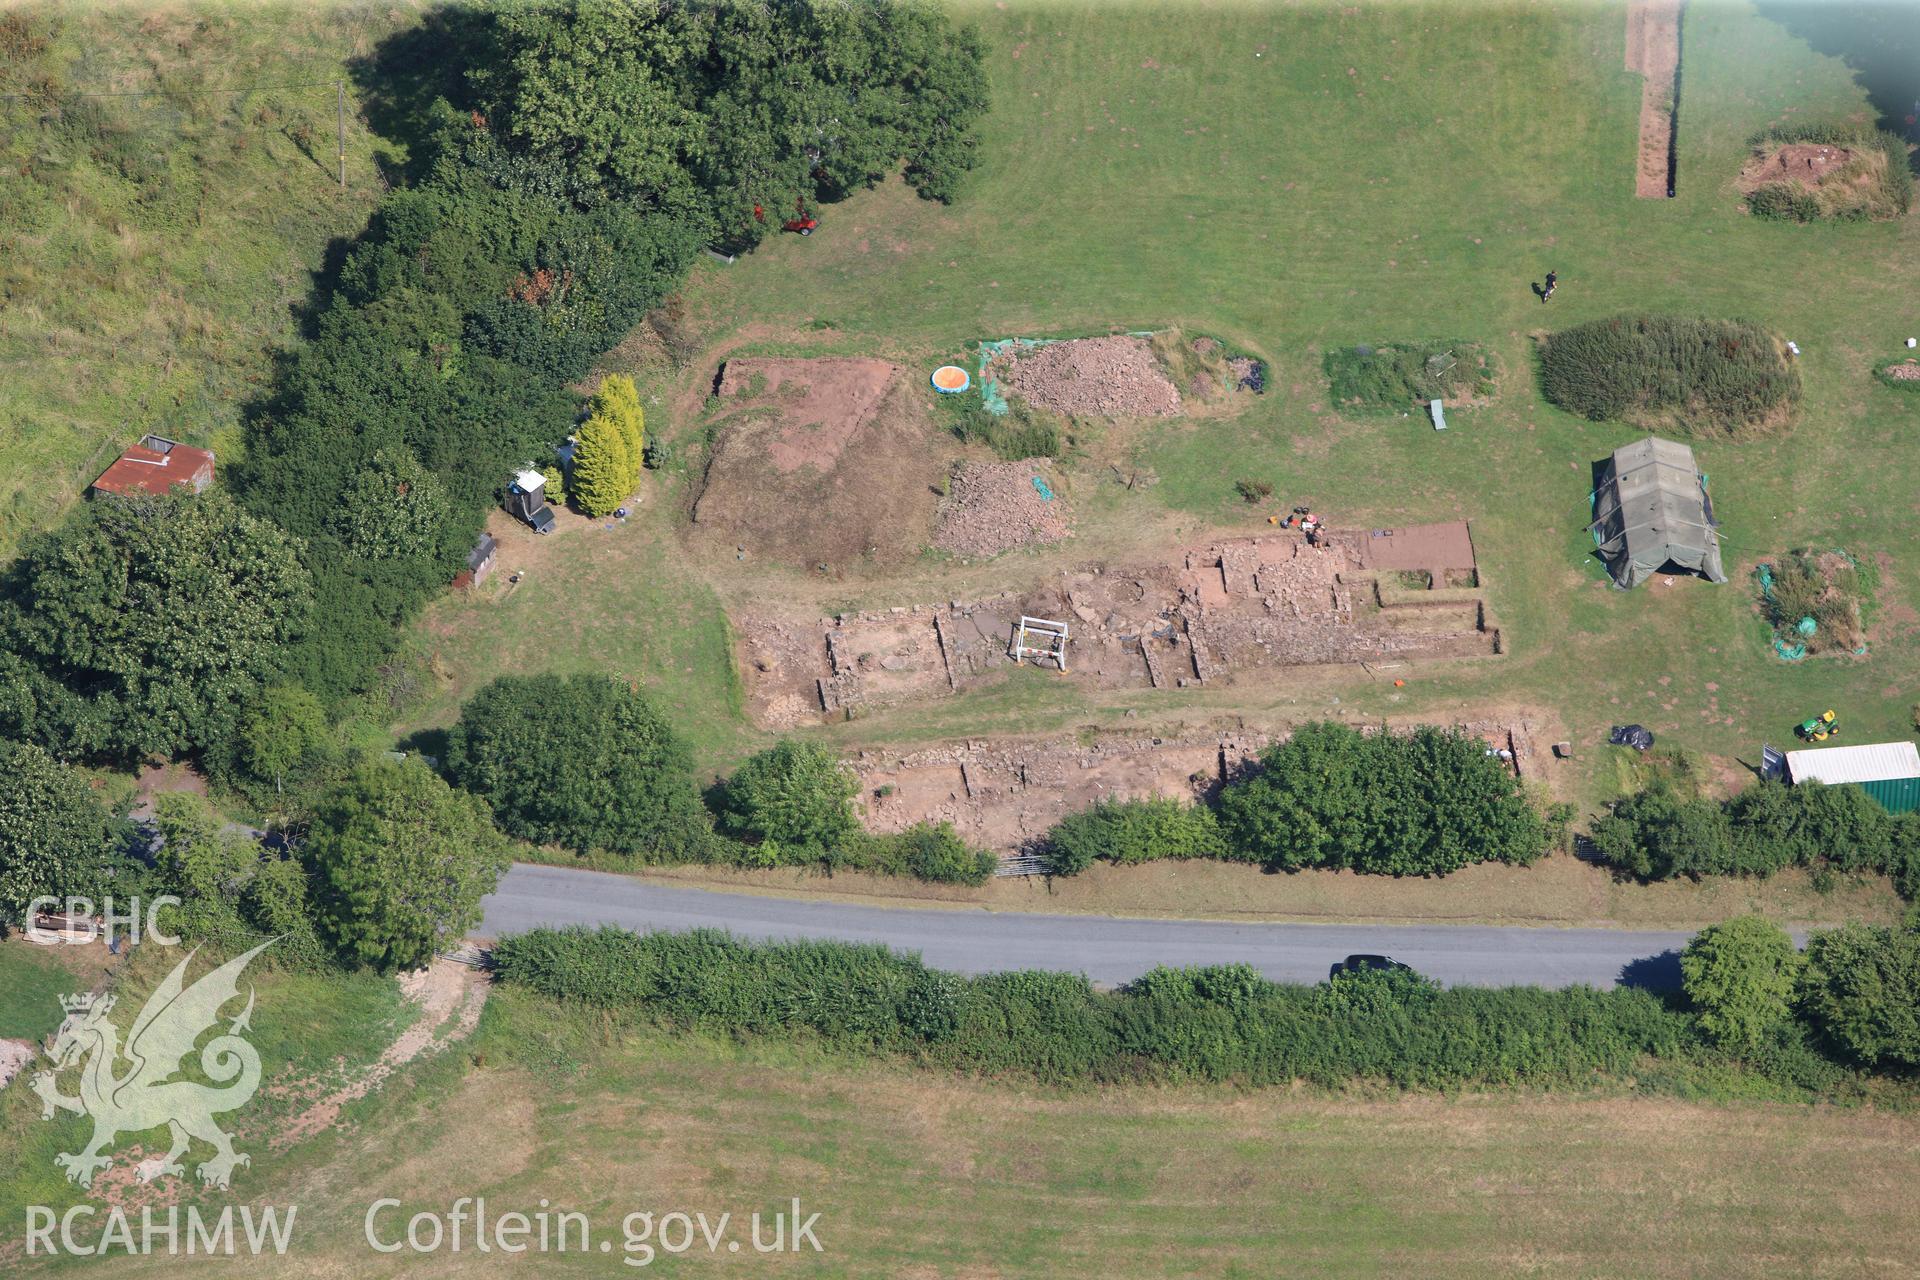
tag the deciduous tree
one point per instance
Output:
(401, 862)
(53, 833)
(1862, 987)
(147, 625)
(1740, 976)
(580, 761)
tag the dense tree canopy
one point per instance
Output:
(400, 862)
(146, 625)
(611, 141)
(1740, 975)
(580, 761)
(395, 509)
(1425, 803)
(711, 111)
(1862, 987)
(53, 833)
(794, 794)
(282, 735)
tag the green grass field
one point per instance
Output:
(1374, 174)
(307, 1029)
(921, 1176)
(162, 229)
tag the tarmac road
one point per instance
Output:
(1107, 949)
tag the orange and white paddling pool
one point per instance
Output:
(950, 380)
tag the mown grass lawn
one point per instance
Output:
(1294, 178)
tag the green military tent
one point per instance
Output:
(1650, 509)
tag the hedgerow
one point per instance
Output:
(1212, 1024)
(1656, 834)
(1692, 374)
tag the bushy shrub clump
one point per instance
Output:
(1877, 183)
(1827, 586)
(585, 762)
(926, 851)
(1212, 1024)
(1785, 202)
(1657, 834)
(1687, 373)
(1394, 378)
(794, 796)
(1131, 831)
(1020, 432)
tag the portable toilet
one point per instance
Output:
(1887, 771)
(527, 501)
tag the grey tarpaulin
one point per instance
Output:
(1650, 508)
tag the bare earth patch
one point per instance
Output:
(1842, 177)
(15, 1054)
(816, 462)
(1225, 611)
(1653, 50)
(1116, 377)
(449, 997)
(993, 507)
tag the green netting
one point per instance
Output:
(991, 396)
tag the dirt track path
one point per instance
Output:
(1653, 50)
(450, 997)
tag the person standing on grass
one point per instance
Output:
(1553, 278)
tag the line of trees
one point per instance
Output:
(1856, 989)
(588, 763)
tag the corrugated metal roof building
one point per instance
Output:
(1887, 771)
(157, 465)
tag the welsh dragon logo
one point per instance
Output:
(144, 1095)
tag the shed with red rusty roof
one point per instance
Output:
(157, 465)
